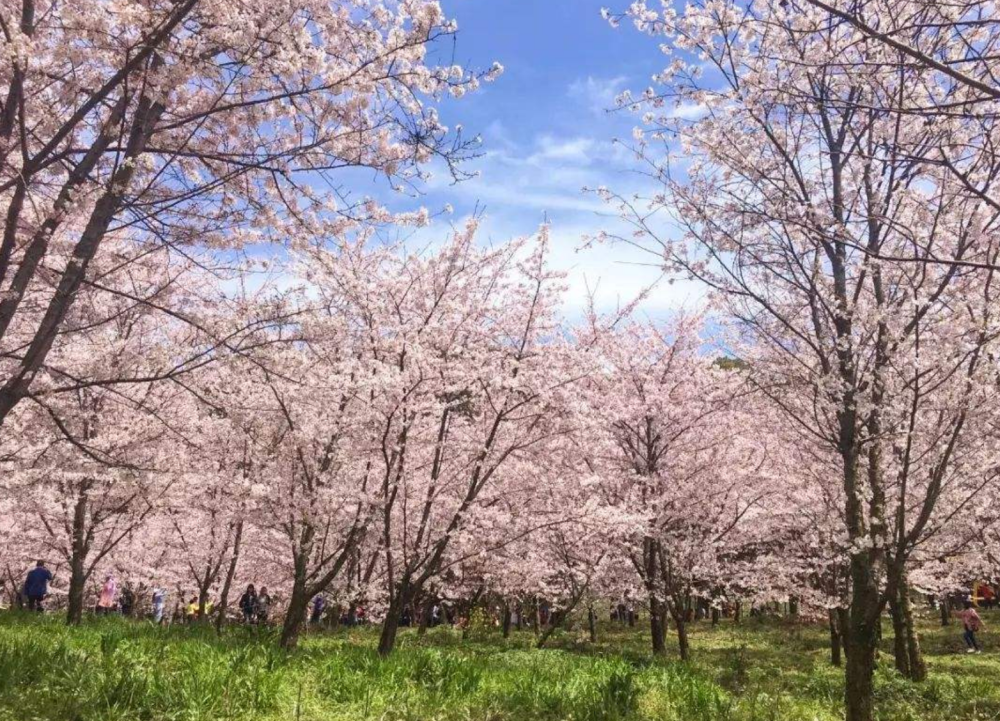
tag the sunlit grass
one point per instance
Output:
(757, 671)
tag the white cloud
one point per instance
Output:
(597, 94)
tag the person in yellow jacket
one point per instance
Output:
(191, 612)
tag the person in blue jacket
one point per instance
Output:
(36, 586)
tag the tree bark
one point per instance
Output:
(918, 669)
(77, 561)
(680, 616)
(900, 651)
(505, 623)
(945, 611)
(390, 626)
(592, 623)
(835, 655)
(77, 585)
(227, 585)
(298, 604)
(862, 642)
(426, 614)
(657, 626)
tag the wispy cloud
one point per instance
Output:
(597, 94)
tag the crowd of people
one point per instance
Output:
(254, 607)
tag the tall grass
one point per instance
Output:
(112, 670)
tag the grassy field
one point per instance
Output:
(757, 671)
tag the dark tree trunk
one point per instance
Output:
(945, 611)
(592, 623)
(203, 598)
(918, 669)
(715, 616)
(900, 652)
(390, 626)
(680, 617)
(793, 607)
(657, 626)
(77, 586)
(862, 633)
(227, 585)
(78, 560)
(298, 605)
(426, 615)
(738, 613)
(505, 623)
(556, 619)
(834, 637)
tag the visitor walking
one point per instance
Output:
(318, 605)
(36, 586)
(248, 604)
(109, 592)
(159, 603)
(972, 624)
(263, 606)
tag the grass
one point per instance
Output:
(113, 670)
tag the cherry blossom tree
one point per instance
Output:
(199, 124)
(863, 273)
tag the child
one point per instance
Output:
(972, 623)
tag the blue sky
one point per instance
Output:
(547, 133)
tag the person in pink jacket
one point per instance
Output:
(972, 623)
(109, 592)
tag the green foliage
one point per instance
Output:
(760, 671)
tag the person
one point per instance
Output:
(106, 601)
(972, 624)
(127, 601)
(248, 604)
(319, 604)
(159, 603)
(988, 595)
(36, 586)
(192, 610)
(262, 607)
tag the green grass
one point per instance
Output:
(109, 669)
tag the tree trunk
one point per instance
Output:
(390, 626)
(899, 649)
(426, 614)
(680, 616)
(203, 599)
(78, 559)
(945, 611)
(861, 636)
(77, 586)
(298, 604)
(592, 623)
(715, 616)
(738, 613)
(657, 626)
(918, 669)
(505, 623)
(793, 607)
(834, 637)
(227, 585)
(556, 620)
